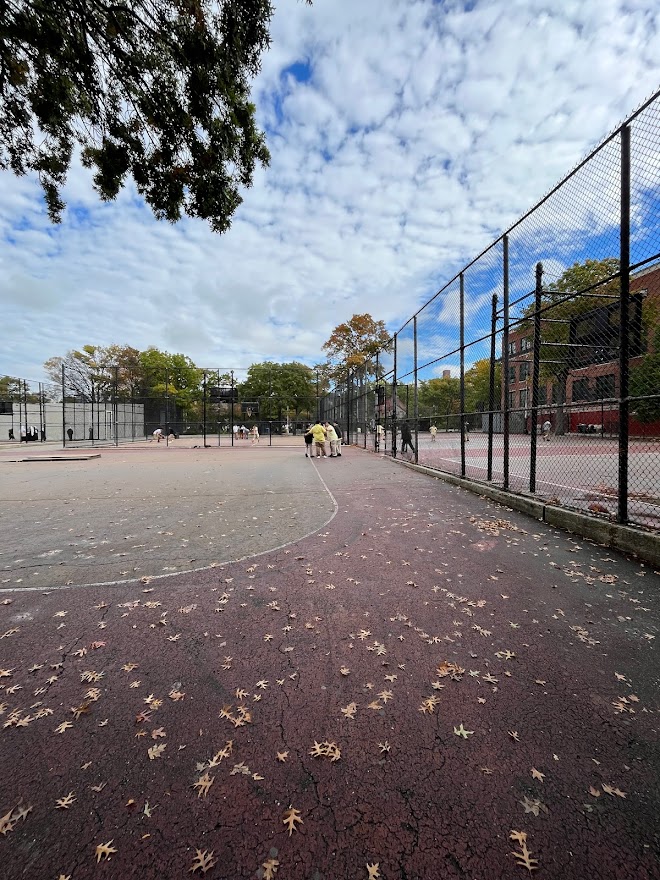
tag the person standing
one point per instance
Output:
(308, 443)
(406, 437)
(254, 431)
(340, 438)
(318, 434)
(331, 434)
(434, 431)
(546, 427)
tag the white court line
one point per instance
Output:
(189, 570)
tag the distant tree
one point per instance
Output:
(289, 387)
(174, 376)
(644, 389)
(95, 372)
(14, 390)
(477, 386)
(354, 345)
(155, 89)
(439, 398)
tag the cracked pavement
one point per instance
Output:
(444, 645)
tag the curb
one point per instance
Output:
(53, 458)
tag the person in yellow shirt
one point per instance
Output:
(331, 434)
(318, 435)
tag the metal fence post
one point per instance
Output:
(203, 408)
(116, 405)
(415, 398)
(348, 407)
(394, 401)
(462, 379)
(63, 411)
(535, 376)
(231, 409)
(491, 386)
(624, 267)
(505, 362)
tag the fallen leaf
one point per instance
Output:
(104, 850)
(291, 816)
(203, 861)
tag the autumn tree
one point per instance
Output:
(155, 89)
(353, 346)
(96, 372)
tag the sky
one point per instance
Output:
(405, 136)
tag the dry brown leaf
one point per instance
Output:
(291, 816)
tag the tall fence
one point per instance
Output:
(537, 367)
(111, 408)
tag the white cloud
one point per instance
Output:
(423, 131)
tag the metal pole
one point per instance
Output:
(535, 376)
(394, 400)
(116, 406)
(415, 398)
(491, 386)
(167, 409)
(63, 412)
(462, 347)
(377, 408)
(231, 410)
(624, 266)
(348, 408)
(204, 410)
(505, 362)
(42, 427)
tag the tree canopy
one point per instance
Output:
(355, 343)
(97, 372)
(289, 386)
(155, 89)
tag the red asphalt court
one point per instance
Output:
(429, 686)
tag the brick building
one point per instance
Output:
(592, 383)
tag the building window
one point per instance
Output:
(580, 390)
(512, 347)
(523, 398)
(555, 393)
(524, 370)
(543, 395)
(512, 373)
(605, 386)
(512, 399)
(526, 344)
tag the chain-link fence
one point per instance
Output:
(537, 367)
(30, 412)
(111, 407)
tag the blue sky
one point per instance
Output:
(405, 136)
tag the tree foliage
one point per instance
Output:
(644, 389)
(354, 344)
(289, 386)
(582, 288)
(477, 386)
(439, 397)
(98, 372)
(155, 89)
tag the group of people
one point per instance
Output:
(243, 433)
(317, 436)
